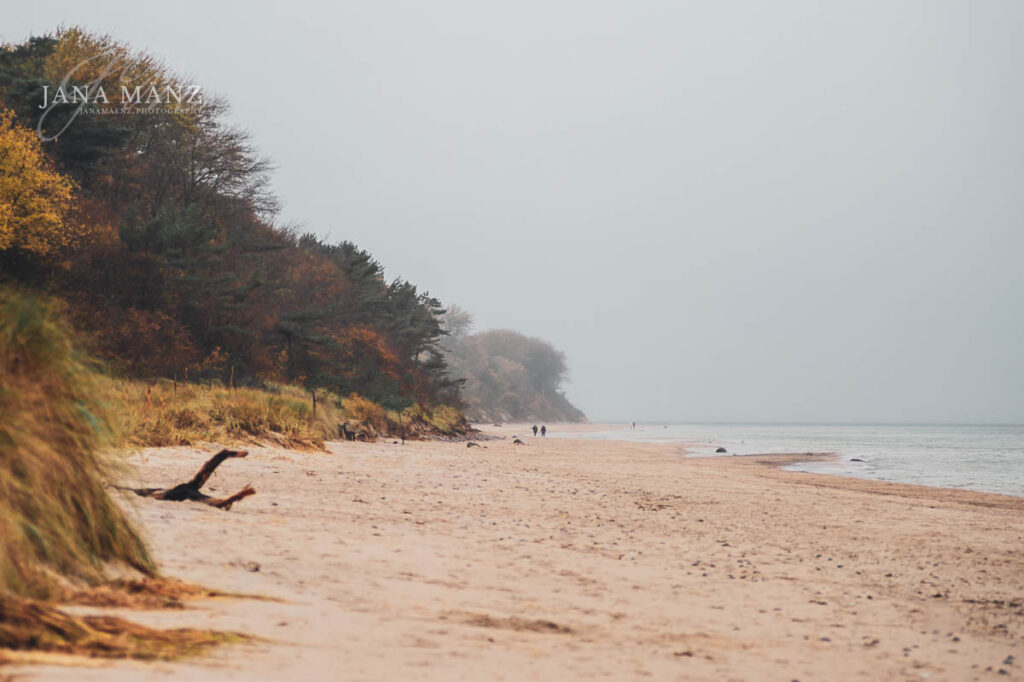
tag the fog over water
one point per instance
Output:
(793, 211)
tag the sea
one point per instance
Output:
(988, 458)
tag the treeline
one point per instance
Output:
(507, 376)
(157, 226)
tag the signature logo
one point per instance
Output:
(120, 86)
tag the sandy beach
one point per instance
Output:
(578, 559)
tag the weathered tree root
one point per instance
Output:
(190, 490)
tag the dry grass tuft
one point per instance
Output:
(56, 518)
(162, 414)
(141, 593)
(27, 625)
(442, 420)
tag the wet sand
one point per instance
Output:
(580, 559)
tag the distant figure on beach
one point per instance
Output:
(534, 430)
(543, 430)
(632, 425)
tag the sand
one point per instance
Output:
(569, 559)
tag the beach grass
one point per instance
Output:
(61, 533)
(56, 517)
(166, 413)
(28, 625)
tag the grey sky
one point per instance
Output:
(792, 211)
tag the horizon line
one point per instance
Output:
(800, 423)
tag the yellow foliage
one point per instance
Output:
(83, 57)
(88, 59)
(34, 198)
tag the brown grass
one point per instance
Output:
(140, 593)
(27, 625)
(56, 518)
(162, 413)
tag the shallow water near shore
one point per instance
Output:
(987, 458)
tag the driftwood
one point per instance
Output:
(190, 490)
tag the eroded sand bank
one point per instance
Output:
(581, 559)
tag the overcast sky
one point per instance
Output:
(784, 211)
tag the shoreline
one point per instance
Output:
(580, 558)
(839, 458)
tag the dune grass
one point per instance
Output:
(442, 420)
(56, 518)
(59, 528)
(162, 413)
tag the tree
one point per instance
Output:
(181, 251)
(456, 323)
(34, 198)
(511, 377)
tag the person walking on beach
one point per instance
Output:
(534, 430)
(543, 430)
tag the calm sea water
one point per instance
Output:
(987, 458)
